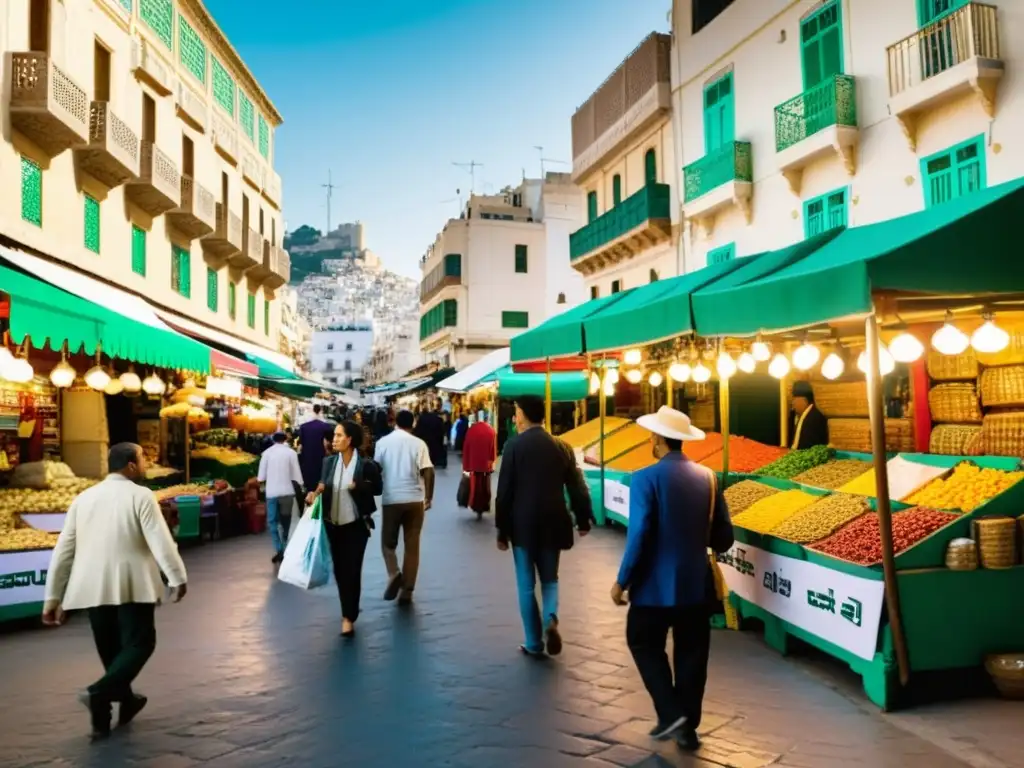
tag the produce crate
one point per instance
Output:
(954, 403)
(1003, 387)
(952, 367)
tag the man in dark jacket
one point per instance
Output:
(430, 429)
(531, 516)
(315, 437)
(810, 427)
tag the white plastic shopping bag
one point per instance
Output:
(307, 558)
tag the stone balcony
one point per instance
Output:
(251, 169)
(158, 187)
(225, 241)
(46, 106)
(150, 68)
(272, 188)
(957, 55)
(251, 254)
(191, 107)
(275, 269)
(225, 138)
(112, 155)
(720, 180)
(197, 214)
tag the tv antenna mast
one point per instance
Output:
(472, 165)
(540, 151)
(330, 189)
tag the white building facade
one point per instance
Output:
(340, 353)
(792, 117)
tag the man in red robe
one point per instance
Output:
(479, 453)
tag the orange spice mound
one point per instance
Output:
(745, 455)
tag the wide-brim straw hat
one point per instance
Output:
(671, 424)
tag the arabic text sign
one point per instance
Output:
(616, 497)
(23, 577)
(845, 610)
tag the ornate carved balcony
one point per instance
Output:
(191, 107)
(112, 154)
(225, 242)
(251, 254)
(251, 169)
(150, 68)
(262, 270)
(47, 106)
(719, 180)
(283, 265)
(225, 138)
(197, 214)
(943, 61)
(158, 188)
(275, 269)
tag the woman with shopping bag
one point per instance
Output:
(348, 484)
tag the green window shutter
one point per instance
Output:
(247, 116)
(266, 317)
(232, 300)
(821, 40)
(814, 217)
(591, 206)
(31, 192)
(250, 314)
(223, 87)
(826, 212)
(722, 254)
(955, 172)
(937, 172)
(138, 250)
(719, 114)
(191, 50)
(835, 207)
(929, 11)
(450, 317)
(515, 319)
(159, 16)
(453, 265)
(651, 167)
(616, 189)
(595, 292)
(522, 260)
(181, 271)
(92, 223)
(264, 137)
(212, 289)
(127, 5)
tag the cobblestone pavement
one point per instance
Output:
(251, 672)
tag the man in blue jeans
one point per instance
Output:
(279, 470)
(537, 471)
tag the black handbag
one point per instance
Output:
(462, 495)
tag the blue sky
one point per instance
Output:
(389, 93)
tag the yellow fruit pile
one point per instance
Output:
(967, 488)
(861, 486)
(774, 510)
(225, 456)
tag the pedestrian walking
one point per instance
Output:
(108, 559)
(314, 439)
(461, 430)
(348, 485)
(408, 474)
(430, 429)
(676, 511)
(479, 453)
(280, 473)
(537, 470)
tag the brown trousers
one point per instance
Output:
(407, 519)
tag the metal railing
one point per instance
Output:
(730, 162)
(651, 202)
(831, 102)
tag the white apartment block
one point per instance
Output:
(794, 116)
(138, 147)
(497, 270)
(624, 163)
(340, 353)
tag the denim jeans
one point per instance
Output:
(531, 565)
(279, 513)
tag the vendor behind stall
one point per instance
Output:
(810, 427)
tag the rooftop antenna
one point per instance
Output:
(543, 160)
(330, 189)
(472, 165)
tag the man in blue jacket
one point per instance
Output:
(675, 513)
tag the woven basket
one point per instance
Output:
(1003, 386)
(1002, 434)
(1007, 672)
(954, 403)
(997, 541)
(955, 440)
(952, 367)
(962, 555)
(855, 434)
(837, 399)
(702, 415)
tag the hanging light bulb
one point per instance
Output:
(701, 373)
(905, 348)
(990, 338)
(20, 371)
(680, 372)
(131, 381)
(114, 387)
(63, 375)
(950, 340)
(97, 378)
(726, 366)
(6, 358)
(746, 362)
(806, 356)
(632, 357)
(634, 376)
(655, 379)
(886, 364)
(612, 375)
(779, 366)
(832, 367)
(760, 351)
(609, 388)
(153, 385)
(595, 383)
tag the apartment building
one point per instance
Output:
(339, 353)
(795, 116)
(624, 162)
(498, 269)
(138, 147)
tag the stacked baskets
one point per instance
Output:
(953, 403)
(1002, 388)
(997, 541)
(855, 434)
(962, 555)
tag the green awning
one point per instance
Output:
(962, 247)
(565, 387)
(562, 335)
(50, 317)
(269, 370)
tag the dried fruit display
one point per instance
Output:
(745, 493)
(967, 488)
(773, 510)
(861, 541)
(822, 518)
(795, 462)
(833, 474)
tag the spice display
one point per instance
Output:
(743, 494)
(967, 488)
(224, 456)
(744, 455)
(698, 450)
(795, 462)
(764, 515)
(861, 540)
(191, 489)
(833, 474)
(636, 459)
(862, 485)
(20, 539)
(822, 518)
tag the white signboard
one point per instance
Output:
(616, 497)
(23, 576)
(845, 610)
(52, 522)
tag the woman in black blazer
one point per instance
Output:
(348, 485)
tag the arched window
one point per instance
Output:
(616, 189)
(651, 167)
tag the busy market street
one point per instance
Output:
(251, 672)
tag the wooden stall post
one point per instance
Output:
(723, 417)
(602, 406)
(876, 410)
(547, 398)
(670, 400)
(783, 413)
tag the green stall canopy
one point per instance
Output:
(562, 335)
(565, 387)
(963, 247)
(50, 317)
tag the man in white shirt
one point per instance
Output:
(408, 473)
(108, 559)
(279, 469)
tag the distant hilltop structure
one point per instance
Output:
(310, 249)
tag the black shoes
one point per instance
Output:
(553, 639)
(394, 586)
(664, 731)
(687, 739)
(99, 715)
(278, 558)
(129, 709)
